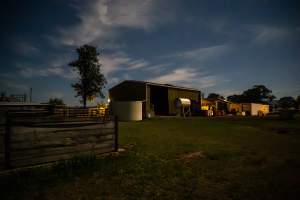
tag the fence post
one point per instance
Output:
(116, 133)
(7, 141)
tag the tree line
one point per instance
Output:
(260, 94)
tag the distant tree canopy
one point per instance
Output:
(3, 96)
(215, 96)
(91, 81)
(256, 94)
(235, 98)
(287, 103)
(56, 102)
(298, 102)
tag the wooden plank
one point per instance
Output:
(37, 136)
(46, 140)
(51, 119)
(61, 124)
(44, 152)
(19, 131)
(41, 160)
(58, 143)
(60, 127)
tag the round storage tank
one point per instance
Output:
(128, 110)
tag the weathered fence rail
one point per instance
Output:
(37, 140)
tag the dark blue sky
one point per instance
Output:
(215, 46)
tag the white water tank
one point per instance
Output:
(128, 110)
(182, 102)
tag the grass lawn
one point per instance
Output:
(175, 158)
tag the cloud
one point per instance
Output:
(53, 65)
(203, 53)
(24, 48)
(208, 81)
(120, 61)
(10, 83)
(264, 33)
(157, 69)
(193, 75)
(175, 76)
(137, 64)
(57, 66)
(29, 72)
(101, 20)
(114, 80)
(188, 77)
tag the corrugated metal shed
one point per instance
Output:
(155, 96)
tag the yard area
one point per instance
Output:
(177, 158)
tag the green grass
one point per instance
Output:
(240, 158)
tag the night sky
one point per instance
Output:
(223, 46)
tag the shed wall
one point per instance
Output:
(174, 93)
(255, 107)
(148, 103)
(128, 91)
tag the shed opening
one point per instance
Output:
(159, 100)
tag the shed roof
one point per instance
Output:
(157, 84)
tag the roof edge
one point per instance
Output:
(157, 84)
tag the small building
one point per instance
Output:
(158, 99)
(252, 109)
(255, 109)
(235, 107)
(219, 105)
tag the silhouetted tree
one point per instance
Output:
(298, 102)
(91, 80)
(56, 102)
(235, 98)
(256, 94)
(287, 103)
(3, 97)
(215, 96)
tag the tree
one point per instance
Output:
(298, 102)
(256, 94)
(236, 98)
(56, 102)
(91, 81)
(3, 97)
(287, 103)
(215, 96)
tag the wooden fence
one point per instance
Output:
(32, 140)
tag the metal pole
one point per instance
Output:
(30, 95)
